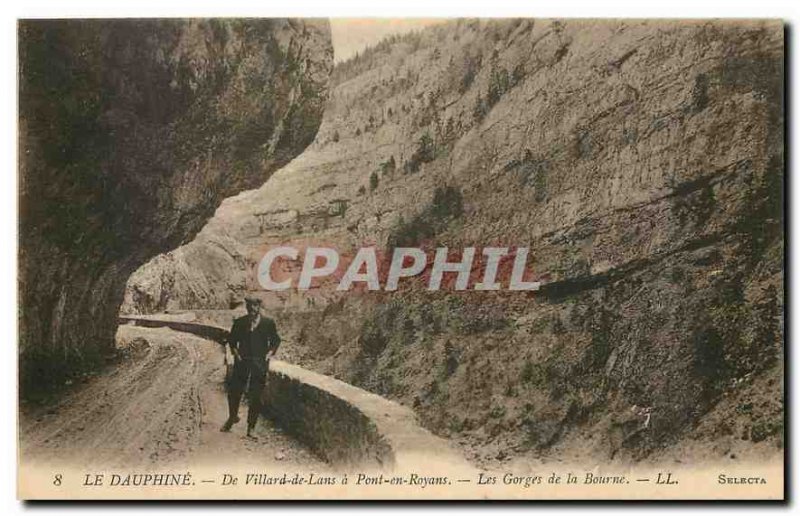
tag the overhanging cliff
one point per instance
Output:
(131, 132)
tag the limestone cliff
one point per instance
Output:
(642, 162)
(131, 132)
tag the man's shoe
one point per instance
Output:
(251, 431)
(228, 424)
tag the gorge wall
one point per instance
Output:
(642, 163)
(131, 132)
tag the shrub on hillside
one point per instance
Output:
(424, 153)
(447, 204)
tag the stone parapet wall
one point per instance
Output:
(343, 424)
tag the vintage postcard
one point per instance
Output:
(401, 259)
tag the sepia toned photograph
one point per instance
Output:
(400, 259)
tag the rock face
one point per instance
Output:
(642, 162)
(215, 277)
(131, 133)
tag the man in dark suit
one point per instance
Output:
(253, 339)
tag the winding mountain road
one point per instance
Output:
(160, 406)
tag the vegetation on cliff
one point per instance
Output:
(642, 163)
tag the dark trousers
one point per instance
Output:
(251, 376)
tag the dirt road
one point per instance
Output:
(162, 405)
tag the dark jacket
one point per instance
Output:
(254, 345)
